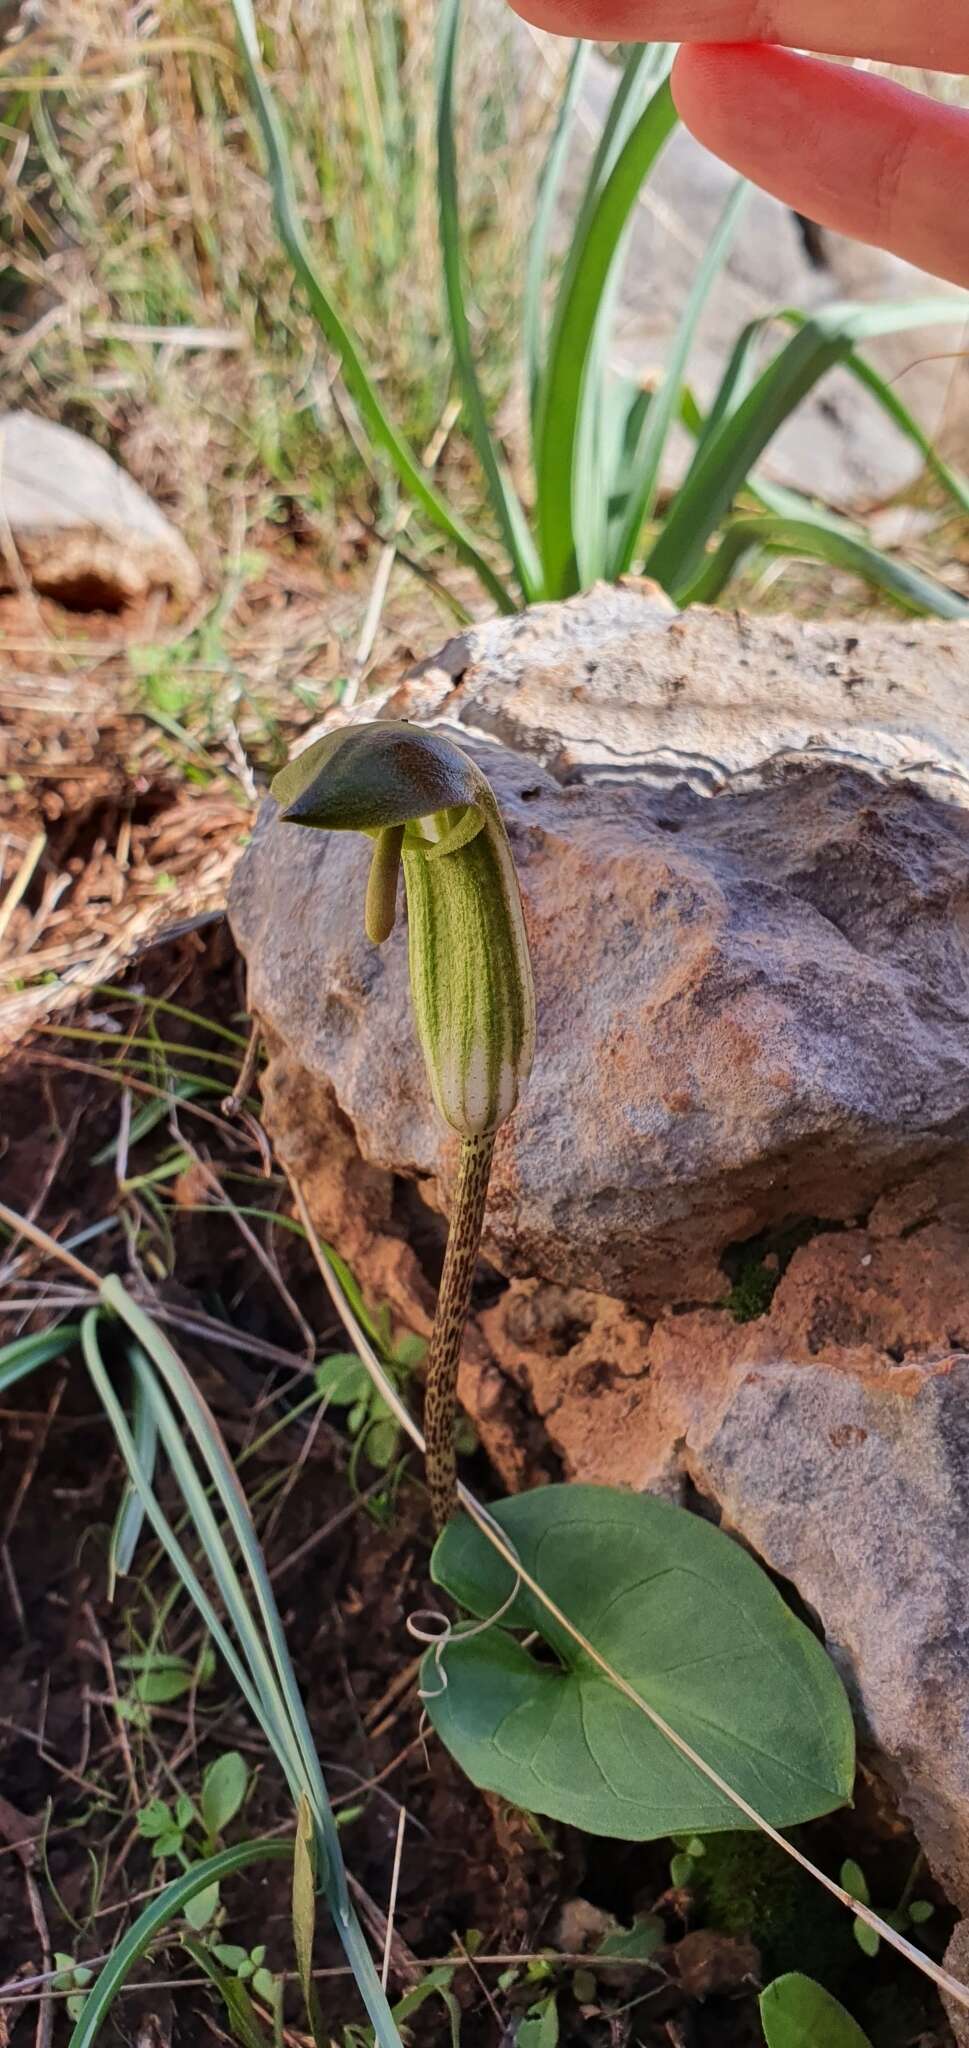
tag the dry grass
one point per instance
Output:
(144, 300)
(135, 202)
(130, 762)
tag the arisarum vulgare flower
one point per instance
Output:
(429, 809)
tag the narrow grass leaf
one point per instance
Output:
(117, 993)
(594, 251)
(738, 379)
(275, 1703)
(25, 1354)
(146, 1120)
(130, 1518)
(727, 454)
(647, 461)
(741, 372)
(823, 541)
(533, 321)
(435, 1985)
(360, 385)
(645, 67)
(508, 510)
(164, 1532)
(271, 1667)
(168, 1906)
(955, 484)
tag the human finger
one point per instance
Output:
(934, 36)
(848, 150)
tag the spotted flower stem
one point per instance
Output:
(451, 1315)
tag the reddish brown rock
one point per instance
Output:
(832, 1434)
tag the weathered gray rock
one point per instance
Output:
(751, 1010)
(77, 526)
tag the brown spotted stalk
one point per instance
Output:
(430, 810)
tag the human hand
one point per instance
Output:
(849, 150)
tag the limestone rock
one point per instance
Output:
(752, 1009)
(77, 526)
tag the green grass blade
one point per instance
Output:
(533, 324)
(383, 433)
(264, 1688)
(164, 1532)
(136, 999)
(727, 454)
(129, 1520)
(508, 510)
(646, 66)
(951, 480)
(281, 1715)
(824, 542)
(145, 1120)
(170, 1903)
(212, 1451)
(665, 406)
(738, 378)
(25, 1354)
(597, 463)
(584, 285)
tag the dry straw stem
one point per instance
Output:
(479, 1515)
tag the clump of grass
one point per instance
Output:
(136, 203)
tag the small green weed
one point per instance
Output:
(689, 1849)
(909, 1913)
(159, 1677)
(73, 1978)
(757, 1266)
(185, 1832)
(247, 1965)
(539, 2026)
(344, 1383)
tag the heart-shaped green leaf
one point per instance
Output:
(686, 1616)
(797, 2013)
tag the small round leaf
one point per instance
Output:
(223, 1790)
